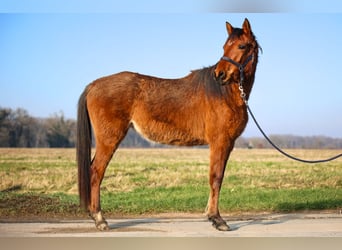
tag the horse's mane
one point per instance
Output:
(204, 78)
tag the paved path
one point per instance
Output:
(283, 225)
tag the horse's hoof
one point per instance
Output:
(222, 226)
(102, 226)
(219, 224)
(100, 222)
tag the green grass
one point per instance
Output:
(152, 181)
(185, 199)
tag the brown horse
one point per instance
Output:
(203, 108)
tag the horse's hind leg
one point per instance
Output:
(98, 167)
(105, 148)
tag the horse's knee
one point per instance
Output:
(100, 222)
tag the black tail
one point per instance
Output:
(83, 151)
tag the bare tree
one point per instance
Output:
(60, 131)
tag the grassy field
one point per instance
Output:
(151, 181)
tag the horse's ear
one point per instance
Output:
(230, 28)
(246, 27)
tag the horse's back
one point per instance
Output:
(113, 85)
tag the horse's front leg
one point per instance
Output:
(218, 158)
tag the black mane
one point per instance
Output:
(205, 78)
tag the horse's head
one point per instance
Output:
(240, 52)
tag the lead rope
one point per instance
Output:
(243, 96)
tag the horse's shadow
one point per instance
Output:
(260, 221)
(237, 226)
(127, 224)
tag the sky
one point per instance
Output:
(50, 53)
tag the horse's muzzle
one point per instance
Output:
(220, 76)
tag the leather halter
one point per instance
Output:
(240, 66)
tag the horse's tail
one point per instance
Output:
(83, 150)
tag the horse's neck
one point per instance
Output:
(247, 88)
(234, 96)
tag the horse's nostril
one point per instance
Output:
(221, 76)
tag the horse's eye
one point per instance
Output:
(242, 46)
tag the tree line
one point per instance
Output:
(19, 129)
(291, 141)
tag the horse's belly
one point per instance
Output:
(167, 134)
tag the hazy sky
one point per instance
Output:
(48, 57)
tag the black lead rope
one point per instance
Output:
(281, 151)
(241, 68)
